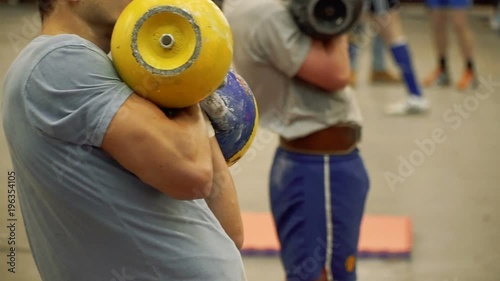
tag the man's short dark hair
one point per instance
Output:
(45, 7)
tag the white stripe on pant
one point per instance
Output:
(329, 220)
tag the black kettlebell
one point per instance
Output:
(325, 19)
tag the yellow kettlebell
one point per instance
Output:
(175, 53)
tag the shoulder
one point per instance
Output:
(70, 49)
(66, 49)
(260, 21)
(66, 57)
(60, 55)
(70, 41)
(256, 11)
(42, 46)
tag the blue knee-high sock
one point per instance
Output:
(402, 56)
(353, 56)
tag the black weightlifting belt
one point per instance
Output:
(337, 139)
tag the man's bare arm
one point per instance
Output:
(171, 155)
(223, 200)
(327, 64)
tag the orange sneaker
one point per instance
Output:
(438, 77)
(468, 81)
(385, 77)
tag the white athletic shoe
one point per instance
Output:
(413, 105)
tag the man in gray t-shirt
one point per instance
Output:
(110, 188)
(318, 182)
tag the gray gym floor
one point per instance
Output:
(449, 193)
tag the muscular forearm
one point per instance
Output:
(327, 64)
(338, 51)
(223, 200)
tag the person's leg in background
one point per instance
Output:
(357, 39)
(349, 182)
(380, 73)
(440, 75)
(496, 26)
(441, 11)
(494, 9)
(459, 9)
(386, 15)
(495, 17)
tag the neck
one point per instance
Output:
(71, 24)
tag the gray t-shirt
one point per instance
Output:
(269, 49)
(87, 218)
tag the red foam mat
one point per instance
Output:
(380, 236)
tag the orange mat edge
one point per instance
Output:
(261, 238)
